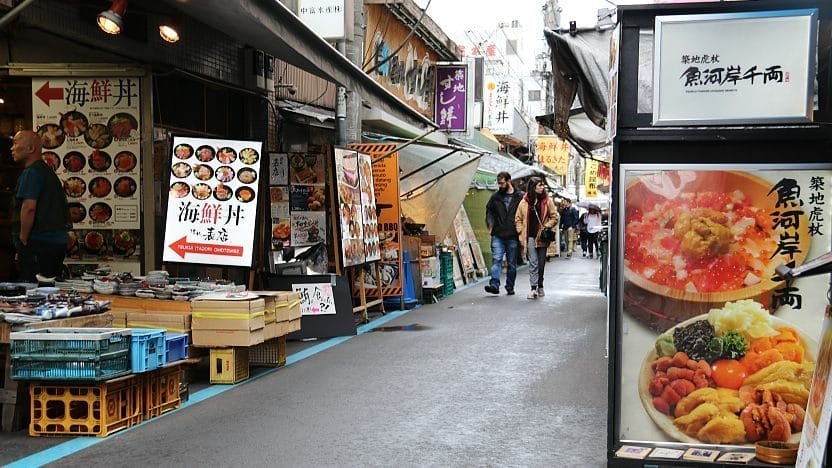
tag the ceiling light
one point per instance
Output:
(169, 29)
(110, 21)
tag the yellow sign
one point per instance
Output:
(591, 178)
(553, 153)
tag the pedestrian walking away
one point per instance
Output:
(39, 220)
(499, 217)
(594, 226)
(568, 225)
(536, 212)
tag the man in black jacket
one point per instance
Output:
(499, 217)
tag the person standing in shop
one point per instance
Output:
(568, 225)
(39, 222)
(536, 212)
(594, 226)
(499, 217)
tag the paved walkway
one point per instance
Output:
(484, 381)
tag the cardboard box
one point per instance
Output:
(149, 305)
(228, 321)
(176, 323)
(212, 305)
(289, 308)
(119, 318)
(216, 338)
(274, 330)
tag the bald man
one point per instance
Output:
(40, 216)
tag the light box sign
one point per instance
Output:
(328, 18)
(734, 68)
(451, 96)
(712, 293)
(498, 107)
(212, 205)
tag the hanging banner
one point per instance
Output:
(212, 206)
(451, 96)
(754, 67)
(591, 178)
(700, 248)
(498, 105)
(553, 152)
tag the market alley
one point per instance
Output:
(483, 381)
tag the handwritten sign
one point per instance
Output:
(315, 298)
(278, 168)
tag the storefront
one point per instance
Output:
(717, 181)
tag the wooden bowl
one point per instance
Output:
(779, 453)
(640, 194)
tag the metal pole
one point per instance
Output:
(12, 14)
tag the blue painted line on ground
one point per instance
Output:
(78, 444)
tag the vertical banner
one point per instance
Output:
(591, 178)
(700, 248)
(372, 248)
(553, 152)
(212, 206)
(497, 105)
(349, 207)
(451, 97)
(90, 132)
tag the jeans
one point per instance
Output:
(503, 247)
(593, 243)
(537, 263)
(39, 257)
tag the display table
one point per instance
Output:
(13, 398)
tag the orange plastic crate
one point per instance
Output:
(161, 391)
(85, 409)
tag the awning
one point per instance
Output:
(307, 114)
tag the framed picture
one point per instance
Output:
(734, 68)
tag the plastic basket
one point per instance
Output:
(161, 391)
(270, 353)
(74, 354)
(176, 346)
(147, 349)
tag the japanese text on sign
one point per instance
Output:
(315, 298)
(786, 215)
(451, 97)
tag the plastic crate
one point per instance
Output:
(228, 365)
(161, 391)
(85, 409)
(270, 353)
(70, 354)
(176, 347)
(147, 349)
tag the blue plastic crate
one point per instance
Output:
(81, 354)
(147, 349)
(177, 346)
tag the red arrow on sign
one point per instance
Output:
(182, 247)
(46, 94)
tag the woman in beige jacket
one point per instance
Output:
(536, 211)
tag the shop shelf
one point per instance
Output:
(161, 391)
(228, 365)
(70, 354)
(147, 349)
(270, 353)
(85, 409)
(176, 345)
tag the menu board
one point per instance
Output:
(212, 206)
(700, 248)
(372, 248)
(349, 207)
(91, 136)
(819, 411)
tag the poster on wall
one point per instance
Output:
(699, 251)
(349, 207)
(308, 227)
(90, 133)
(815, 432)
(308, 198)
(386, 185)
(307, 168)
(212, 206)
(369, 215)
(278, 168)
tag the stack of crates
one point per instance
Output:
(161, 391)
(148, 349)
(446, 273)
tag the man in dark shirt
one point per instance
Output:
(39, 223)
(568, 224)
(499, 217)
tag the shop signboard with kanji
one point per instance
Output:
(498, 107)
(212, 205)
(451, 97)
(91, 136)
(553, 152)
(702, 304)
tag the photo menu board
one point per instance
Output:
(700, 247)
(91, 136)
(212, 205)
(356, 208)
(372, 248)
